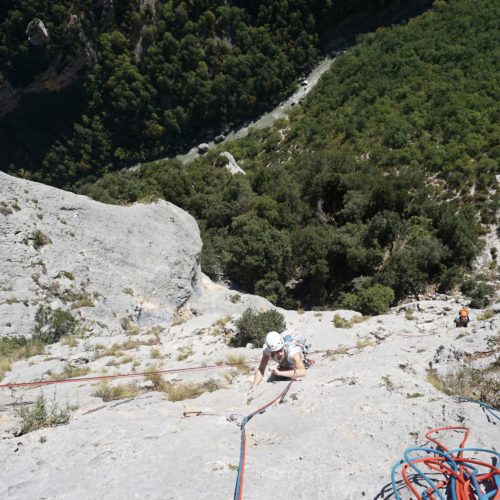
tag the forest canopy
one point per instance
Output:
(375, 189)
(118, 83)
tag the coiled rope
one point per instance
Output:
(238, 490)
(453, 475)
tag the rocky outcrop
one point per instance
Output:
(203, 148)
(111, 266)
(65, 68)
(37, 33)
(377, 386)
(231, 165)
(367, 399)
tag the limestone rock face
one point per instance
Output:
(231, 164)
(111, 266)
(37, 32)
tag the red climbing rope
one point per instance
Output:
(463, 478)
(238, 490)
(37, 383)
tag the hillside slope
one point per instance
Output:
(135, 81)
(372, 392)
(385, 176)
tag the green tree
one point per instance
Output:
(373, 300)
(256, 249)
(52, 325)
(272, 289)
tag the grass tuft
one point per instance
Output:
(342, 349)
(70, 372)
(340, 322)
(40, 414)
(411, 395)
(185, 352)
(362, 343)
(14, 349)
(485, 315)
(108, 392)
(240, 361)
(388, 383)
(467, 382)
(69, 341)
(155, 354)
(5, 367)
(180, 392)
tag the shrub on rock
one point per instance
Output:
(481, 293)
(52, 325)
(253, 326)
(373, 300)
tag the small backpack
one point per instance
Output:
(299, 341)
(296, 340)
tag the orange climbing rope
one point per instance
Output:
(238, 490)
(453, 475)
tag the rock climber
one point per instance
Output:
(288, 352)
(463, 317)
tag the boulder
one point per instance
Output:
(37, 32)
(231, 164)
(108, 265)
(202, 148)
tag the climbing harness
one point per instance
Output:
(238, 490)
(448, 472)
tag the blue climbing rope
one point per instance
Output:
(488, 408)
(462, 478)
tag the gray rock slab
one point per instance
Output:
(139, 262)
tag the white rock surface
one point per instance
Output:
(136, 264)
(231, 165)
(336, 436)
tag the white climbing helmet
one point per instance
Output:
(274, 341)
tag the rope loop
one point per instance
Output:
(443, 472)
